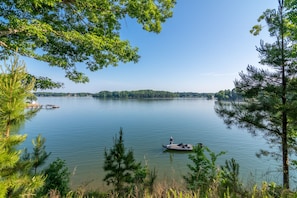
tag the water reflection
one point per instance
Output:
(82, 128)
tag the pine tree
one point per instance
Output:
(202, 170)
(15, 179)
(57, 178)
(269, 106)
(39, 155)
(230, 177)
(120, 166)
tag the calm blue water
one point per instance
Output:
(82, 128)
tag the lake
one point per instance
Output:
(80, 130)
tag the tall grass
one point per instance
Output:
(173, 189)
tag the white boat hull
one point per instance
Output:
(179, 147)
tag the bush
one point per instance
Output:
(203, 170)
(57, 178)
(121, 167)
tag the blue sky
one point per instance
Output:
(202, 48)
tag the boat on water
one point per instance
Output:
(179, 147)
(50, 106)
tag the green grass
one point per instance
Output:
(175, 190)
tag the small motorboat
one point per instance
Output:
(179, 147)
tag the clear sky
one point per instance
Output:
(202, 48)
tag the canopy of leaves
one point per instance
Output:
(66, 32)
(43, 83)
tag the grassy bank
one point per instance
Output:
(167, 189)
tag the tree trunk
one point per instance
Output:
(286, 183)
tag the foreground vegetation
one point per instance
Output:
(127, 178)
(175, 190)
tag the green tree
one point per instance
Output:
(15, 179)
(57, 178)
(228, 95)
(230, 177)
(66, 32)
(39, 152)
(203, 169)
(39, 155)
(14, 91)
(269, 106)
(121, 167)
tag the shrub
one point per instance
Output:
(122, 169)
(203, 170)
(57, 178)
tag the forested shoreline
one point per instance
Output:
(138, 94)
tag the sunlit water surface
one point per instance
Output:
(83, 127)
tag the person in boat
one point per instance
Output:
(171, 140)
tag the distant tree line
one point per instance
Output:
(135, 94)
(195, 95)
(226, 95)
(54, 94)
(138, 94)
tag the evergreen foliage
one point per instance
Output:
(230, 177)
(228, 95)
(122, 169)
(57, 178)
(269, 106)
(203, 169)
(15, 177)
(39, 155)
(14, 90)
